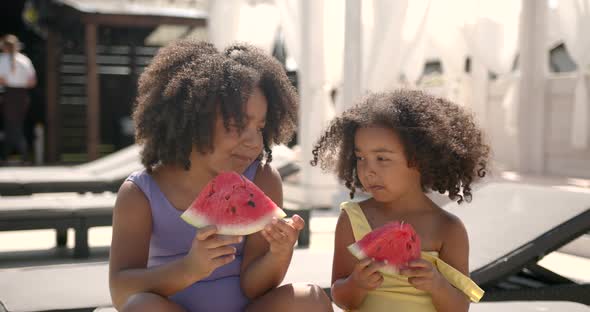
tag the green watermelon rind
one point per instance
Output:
(200, 221)
(194, 219)
(356, 251)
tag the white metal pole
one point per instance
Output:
(352, 67)
(534, 66)
(314, 107)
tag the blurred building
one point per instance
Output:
(95, 52)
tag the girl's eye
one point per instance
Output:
(261, 129)
(358, 157)
(382, 159)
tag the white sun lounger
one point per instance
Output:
(511, 227)
(104, 174)
(93, 208)
(516, 306)
(59, 287)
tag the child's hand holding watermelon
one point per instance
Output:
(395, 243)
(282, 234)
(234, 204)
(366, 274)
(423, 275)
(209, 251)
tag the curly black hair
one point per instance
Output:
(189, 82)
(440, 139)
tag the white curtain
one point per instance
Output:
(415, 41)
(255, 22)
(223, 22)
(574, 21)
(392, 41)
(491, 32)
(382, 27)
(445, 34)
(290, 21)
(259, 22)
(491, 35)
(333, 41)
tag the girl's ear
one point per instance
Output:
(412, 163)
(412, 160)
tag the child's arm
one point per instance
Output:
(128, 275)
(351, 279)
(455, 252)
(264, 264)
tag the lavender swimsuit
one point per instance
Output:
(172, 238)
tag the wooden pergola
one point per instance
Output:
(92, 14)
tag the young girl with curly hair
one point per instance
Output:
(397, 146)
(200, 112)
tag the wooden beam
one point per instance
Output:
(52, 76)
(92, 94)
(141, 20)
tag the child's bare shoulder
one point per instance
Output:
(269, 181)
(343, 224)
(365, 205)
(267, 173)
(452, 229)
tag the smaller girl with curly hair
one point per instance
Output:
(397, 146)
(199, 112)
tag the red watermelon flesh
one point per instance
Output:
(234, 204)
(395, 243)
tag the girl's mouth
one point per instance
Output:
(375, 188)
(241, 158)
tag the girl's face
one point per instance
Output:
(234, 151)
(381, 164)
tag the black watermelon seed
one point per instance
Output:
(251, 204)
(233, 209)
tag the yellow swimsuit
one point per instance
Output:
(396, 293)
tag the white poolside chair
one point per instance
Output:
(53, 286)
(104, 174)
(516, 306)
(511, 227)
(81, 211)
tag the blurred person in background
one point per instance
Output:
(17, 76)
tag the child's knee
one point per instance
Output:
(293, 297)
(148, 302)
(312, 297)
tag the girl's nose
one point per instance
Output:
(251, 138)
(371, 172)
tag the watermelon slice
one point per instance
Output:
(395, 243)
(234, 204)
